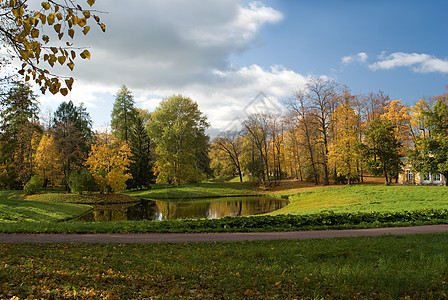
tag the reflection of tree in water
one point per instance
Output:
(182, 210)
(213, 208)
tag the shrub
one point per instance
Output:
(33, 186)
(80, 181)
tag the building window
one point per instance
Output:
(436, 177)
(409, 176)
(427, 177)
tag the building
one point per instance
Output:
(409, 176)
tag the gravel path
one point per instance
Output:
(212, 237)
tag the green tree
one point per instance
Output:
(81, 180)
(42, 38)
(431, 149)
(18, 122)
(178, 129)
(141, 167)
(72, 131)
(124, 114)
(382, 149)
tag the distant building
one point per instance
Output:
(410, 176)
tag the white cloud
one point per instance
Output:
(159, 48)
(360, 57)
(420, 63)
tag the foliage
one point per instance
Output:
(141, 167)
(344, 151)
(31, 36)
(72, 132)
(80, 181)
(18, 116)
(382, 149)
(177, 128)
(109, 161)
(48, 161)
(123, 114)
(431, 151)
(388, 267)
(33, 186)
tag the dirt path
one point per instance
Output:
(212, 237)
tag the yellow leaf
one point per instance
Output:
(46, 5)
(57, 28)
(91, 2)
(71, 65)
(35, 33)
(63, 91)
(86, 30)
(71, 33)
(61, 59)
(69, 83)
(85, 54)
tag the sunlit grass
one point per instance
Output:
(387, 267)
(199, 190)
(363, 198)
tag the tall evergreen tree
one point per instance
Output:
(123, 114)
(18, 120)
(141, 167)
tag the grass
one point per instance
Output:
(367, 198)
(192, 191)
(386, 267)
(15, 210)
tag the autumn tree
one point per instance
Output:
(48, 163)
(109, 161)
(256, 129)
(124, 114)
(344, 151)
(229, 149)
(177, 128)
(41, 38)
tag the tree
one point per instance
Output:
(382, 149)
(18, 124)
(29, 35)
(431, 149)
(177, 128)
(124, 114)
(72, 131)
(230, 145)
(48, 163)
(344, 151)
(141, 167)
(81, 180)
(109, 161)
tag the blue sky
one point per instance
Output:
(222, 53)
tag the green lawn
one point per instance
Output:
(364, 198)
(200, 190)
(386, 267)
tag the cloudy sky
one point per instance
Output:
(226, 53)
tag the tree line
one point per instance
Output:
(324, 135)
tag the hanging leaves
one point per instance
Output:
(24, 31)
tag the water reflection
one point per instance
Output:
(200, 208)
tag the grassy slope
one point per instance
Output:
(201, 190)
(363, 198)
(386, 267)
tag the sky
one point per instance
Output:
(233, 57)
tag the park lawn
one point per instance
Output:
(367, 198)
(386, 267)
(86, 198)
(189, 192)
(16, 210)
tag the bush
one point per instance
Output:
(33, 186)
(80, 181)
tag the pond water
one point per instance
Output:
(194, 209)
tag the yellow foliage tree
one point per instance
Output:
(398, 114)
(344, 151)
(109, 161)
(48, 161)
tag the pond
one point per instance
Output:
(196, 208)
